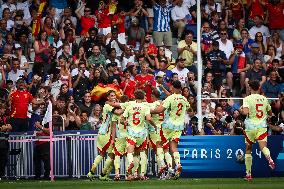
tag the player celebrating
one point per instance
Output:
(154, 134)
(176, 107)
(257, 108)
(105, 138)
(120, 140)
(136, 115)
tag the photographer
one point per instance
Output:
(4, 145)
(276, 125)
(191, 128)
(20, 27)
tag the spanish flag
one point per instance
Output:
(37, 22)
(99, 91)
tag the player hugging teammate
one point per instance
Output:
(128, 127)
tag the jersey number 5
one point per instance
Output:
(180, 106)
(259, 113)
(136, 119)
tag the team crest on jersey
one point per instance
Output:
(26, 96)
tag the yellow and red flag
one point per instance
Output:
(37, 22)
(99, 91)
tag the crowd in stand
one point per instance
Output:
(135, 44)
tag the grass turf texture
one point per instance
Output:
(237, 183)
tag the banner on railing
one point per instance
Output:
(220, 156)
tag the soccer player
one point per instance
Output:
(120, 139)
(154, 134)
(105, 138)
(175, 107)
(257, 108)
(136, 114)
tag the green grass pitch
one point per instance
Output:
(222, 183)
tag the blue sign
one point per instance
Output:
(218, 156)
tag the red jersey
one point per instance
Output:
(121, 20)
(130, 88)
(237, 10)
(103, 18)
(256, 9)
(275, 11)
(87, 23)
(19, 104)
(142, 83)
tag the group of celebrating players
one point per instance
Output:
(130, 127)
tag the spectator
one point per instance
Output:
(270, 88)
(259, 40)
(73, 120)
(19, 101)
(278, 43)
(163, 65)
(67, 14)
(113, 58)
(128, 86)
(237, 31)
(104, 21)
(219, 62)
(16, 72)
(181, 70)
(269, 56)
(179, 14)
(87, 105)
(162, 86)
(135, 34)
(207, 37)
(89, 42)
(24, 64)
(256, 72)
(96, 59)
(225, 44)
(139, 11)
(187, 49)
(6, 15)
(85, 124)
(162, 34)
(259, 27)
(96, 117)
(254, 54)
(65, 75)
(41, 47)
(114, 42)
(81, 83)
(127, 57)
(87, 20)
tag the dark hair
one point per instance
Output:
(176, 84)
(61, 98)
(39, 35)
(254, 85)
(269, 46)
(139, 94)
(93, 29)
(84, 111)
(109, 92)
(124, 98)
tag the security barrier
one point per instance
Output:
(201, 156)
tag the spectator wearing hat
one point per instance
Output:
(239, 66)
(181, 70)
(254, 54)
(163, 65)
(162, 86)
(19, 102)
(187, 49)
